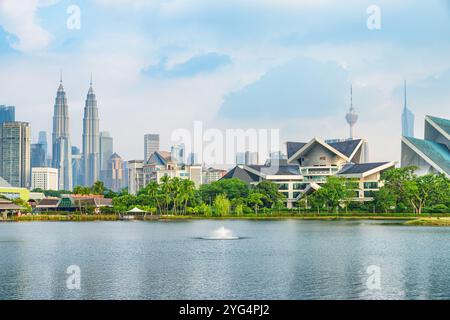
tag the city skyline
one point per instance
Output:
(159, 77)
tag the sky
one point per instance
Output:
(160, 65)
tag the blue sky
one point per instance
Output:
(158, 65)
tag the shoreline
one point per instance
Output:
(407, 219)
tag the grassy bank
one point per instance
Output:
(68, 217)
(430, 221)
(435, 220)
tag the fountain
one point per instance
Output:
(221, 233)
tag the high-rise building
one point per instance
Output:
(15, 153)
(38, 158)
(77, 167)
(125, 174)
(251, 158)
(42, 140)
(91, 141)
(407, 119)
(177, 153)
(351, 116)
(151, 145)
(106, 151)
(192, 159)
(115, 175)
(44, 178)
(240, 158)
(61, 146)
(135, 176)
(7, 114)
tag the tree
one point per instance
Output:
(422, 189)
(417, 192)
(187, 192)
(272, 197)
(222, 205)
(335, 191)
(166, 190)
(255, 200)
(25, 205)
(153, 190)
(384, 199)
(98, 187)
(232, 188)
(82, 190)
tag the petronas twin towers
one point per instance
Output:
(62, 148)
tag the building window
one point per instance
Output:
(370, 185)
(296, 194)
(283, 186)
(323, 158)
(299, 186)
(369, 194)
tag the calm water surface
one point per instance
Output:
(286, 259)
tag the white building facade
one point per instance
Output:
(44, 178)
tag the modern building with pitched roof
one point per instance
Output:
(432, 154)
(161, 163)
(367, 176)
(309, 164)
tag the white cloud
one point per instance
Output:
(19, 19)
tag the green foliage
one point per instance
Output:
(409, 190)
(222, 205)
(255, 200)
(334, 192)
(20, 202)
(232, 188)
(271, 196)
(384, 200)
(52, 193)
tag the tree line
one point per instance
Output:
(401, 191)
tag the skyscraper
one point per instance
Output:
(91, 139)
(251, 158)
(177, 153)
(37, 155)
(77, 167)
(42, 140)
(7, 114)
(135, 176)
(15, 153)
(151, 144)
(115, 173)
(61, 147)
(106, 150)
(351, 116)
(407, 119)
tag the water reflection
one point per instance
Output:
(283, 259)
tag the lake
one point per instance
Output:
(280, 259)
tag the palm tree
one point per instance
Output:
(153, 191)
(187, 188)
(166, 190)
(98, 187)
(177, 193)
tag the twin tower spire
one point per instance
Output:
(62, 148)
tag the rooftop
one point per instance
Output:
(436, 152)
